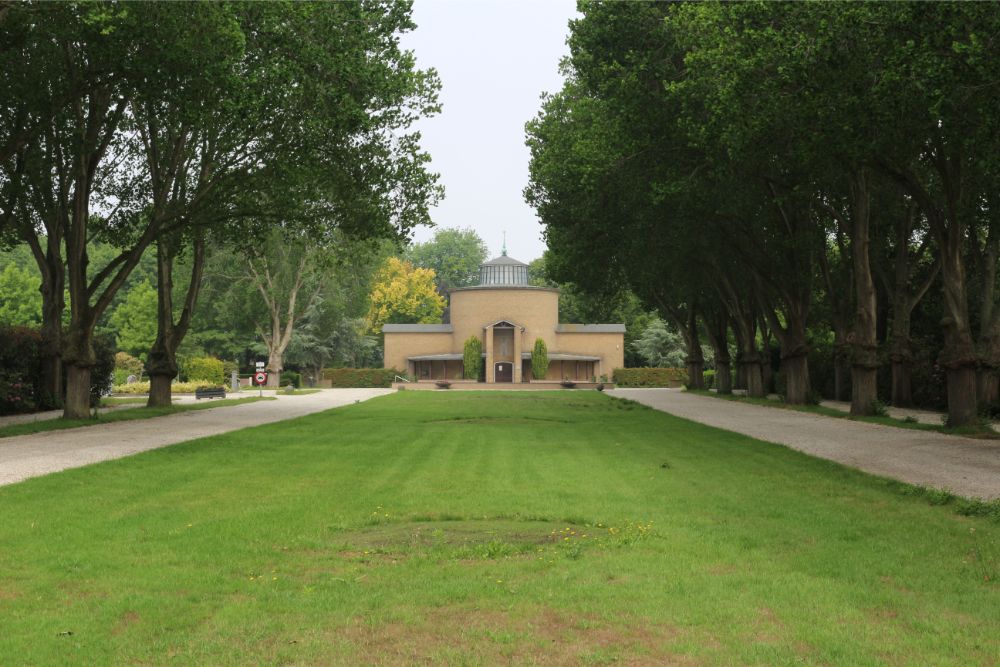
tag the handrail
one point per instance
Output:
(401, 379)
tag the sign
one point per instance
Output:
(260, 378)
(260, 365)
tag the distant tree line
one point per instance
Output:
(816, 174)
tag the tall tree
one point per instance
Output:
(455, 256)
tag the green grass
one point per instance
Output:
(119, 416)
(448, 528)
(984, 431)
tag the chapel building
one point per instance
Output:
(507, 314)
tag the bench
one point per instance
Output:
(207, 392)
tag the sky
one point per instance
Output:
(495, 58)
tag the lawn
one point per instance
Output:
(129, 414)
(481, 528)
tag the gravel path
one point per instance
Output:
(964, 466)
(27, 456)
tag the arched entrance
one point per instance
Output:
(504, 371)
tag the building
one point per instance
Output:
(507, 314)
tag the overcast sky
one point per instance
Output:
(495, 57)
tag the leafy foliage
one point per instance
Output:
(650, 377)
(539, 360)
(208, 369)
(472, 358)
(453, 254)
(360, 377)
(403, 294)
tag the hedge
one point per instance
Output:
(21, 371)
(360, 377)
(650, 377)
(175, 387)
(203, 368)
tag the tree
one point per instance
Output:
(453, 254)
(20, 302)
(472, 357)
(539, 360)
(352, 170)
(403, 294)
(134, 321)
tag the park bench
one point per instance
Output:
(209, 392)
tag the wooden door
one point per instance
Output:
(504, 371)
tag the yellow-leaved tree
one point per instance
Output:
(404, 294)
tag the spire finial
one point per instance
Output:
(504, 250)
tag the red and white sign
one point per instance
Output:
(260, 378)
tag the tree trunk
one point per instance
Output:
(796, 369)
(988, 389)
(274, 368)
(841, 366)
(864, 346)
(159, 390)
(962, 406)
(723, 376)
(902, 389)
(741, 372)
(695, 359)
(161, 364)
(77, 392)
(755, 379)
(958, 358)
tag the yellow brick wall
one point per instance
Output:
(537, 310)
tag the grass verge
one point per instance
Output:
(120, 415)
(983, 432)
(482, 528)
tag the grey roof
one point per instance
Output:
(436, 357)
(590, 328)
(528, 287)
(503, 259)
(560, 356)
(417, 328)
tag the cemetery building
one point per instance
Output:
(507, 314)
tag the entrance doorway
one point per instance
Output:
(504, 371)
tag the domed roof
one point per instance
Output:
(503, 260)
(503, 270)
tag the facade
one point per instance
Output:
(507, 315)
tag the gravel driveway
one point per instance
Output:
(965, 466)
(27, 456)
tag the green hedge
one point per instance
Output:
(21, 371)
(650, 377)
(208, 369)
(360, 377)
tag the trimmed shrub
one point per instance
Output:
(176, 387)
(291, 378)
(472, 358)
(360, 377)
(709, 379)
(650, 377)
(20, 370)
(209, 369)
(539, 360)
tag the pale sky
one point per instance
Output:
(494, 57)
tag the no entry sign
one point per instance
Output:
(260, 378)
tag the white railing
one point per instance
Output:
(400, 379)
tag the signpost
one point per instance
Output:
(260, 377)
